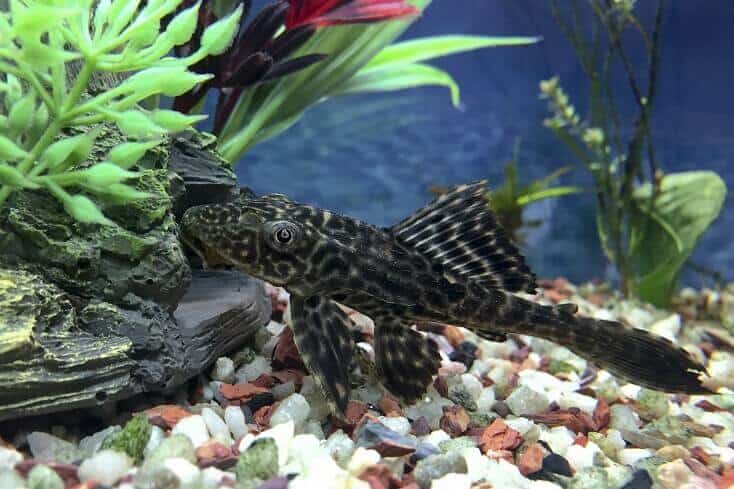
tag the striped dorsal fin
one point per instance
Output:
(459, 231)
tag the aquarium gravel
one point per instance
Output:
(520, 414)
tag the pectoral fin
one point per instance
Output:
(405, 359)
(322, 332)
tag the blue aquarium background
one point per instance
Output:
(374, 157)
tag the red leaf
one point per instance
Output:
(333, 12)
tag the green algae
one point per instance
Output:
(132, 439)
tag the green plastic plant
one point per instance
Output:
(648, 222)
(510, 199)
(49, 52)
(359, 58)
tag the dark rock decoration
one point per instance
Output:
(92, 314)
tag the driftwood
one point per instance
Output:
(92, 314)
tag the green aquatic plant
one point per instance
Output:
(510, 199)
(648, 222)
(50, 51)
(323, 58)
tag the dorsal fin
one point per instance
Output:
(459, 230)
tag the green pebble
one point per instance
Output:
(457, 444)
(670, 428)
(173, 446)
(461, 396)
(652, 404)
(259, 461)
(590, 478)
(43, 477)
(132, 439)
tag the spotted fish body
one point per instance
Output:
(449, 263)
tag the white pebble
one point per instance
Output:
(223, 370)
(472, 385)
(282, 434)
(521, 425)
(188, 473)
(573, 399)
(236, 422)
(253, 370)
(486, 400)
(580, 457)
(525, 400)
(622, 417)
(340, 446)
(212, 477)
(215, 424)
(194, 428)
(293, 408)
(156, 437)
(105, 467)
(629, 456)
(361, 459)
(397, 424)
(8, 458)
(436, 437)
(558, 438)
(668, 327)
(452, 481)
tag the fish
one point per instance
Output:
(450, 262)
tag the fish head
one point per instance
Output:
(260, 236)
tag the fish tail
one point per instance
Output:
(640, 357)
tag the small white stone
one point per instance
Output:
(235, 420)
(573, 399)
(340, 447)
(436, 437)
(472, 385)
(215, 424)
(106, 467)
(313, 428)
(630, 391)
(521, 425)
(524, 400)
(223, 370)
(452, 481)
(630, 456)
(477, 465)
(615, 438)
(156, 437)
(188, 473)
(622, 417)
(544, 382)
(212, 477)
(293, 408)
(260, 365)
(282, 434)
(361, 459)
(194, 428)
(558, 438)
(486, 400)
(275, 328)
(668, 327)
(580, 457)
(398, 424)
(9, 457)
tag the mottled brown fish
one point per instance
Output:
(450, 262)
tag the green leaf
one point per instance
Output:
(548, 193)
(170, 81)
(174, 121)
(399, 77)
(118, 193)
(136, 124)
(64, 149)
(106, 173)
(83, 209)
(219, 36)
(665, 236)
(424, 49)
(183, 26)
(126, 155)
(21, 115)
(13, 178)
(11, 151)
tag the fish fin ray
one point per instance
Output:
(322, 332)
(460, 231)
(405, 360)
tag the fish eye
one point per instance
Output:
(282, 233)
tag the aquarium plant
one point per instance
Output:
(308, 40)
(648, 222)
(49, 53)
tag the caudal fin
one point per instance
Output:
(633, 354)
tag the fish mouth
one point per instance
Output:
(210, 258)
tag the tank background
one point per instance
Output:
(374, 157)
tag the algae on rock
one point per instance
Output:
(92, 313)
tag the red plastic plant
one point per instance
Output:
(333, 12)
(258, 54)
